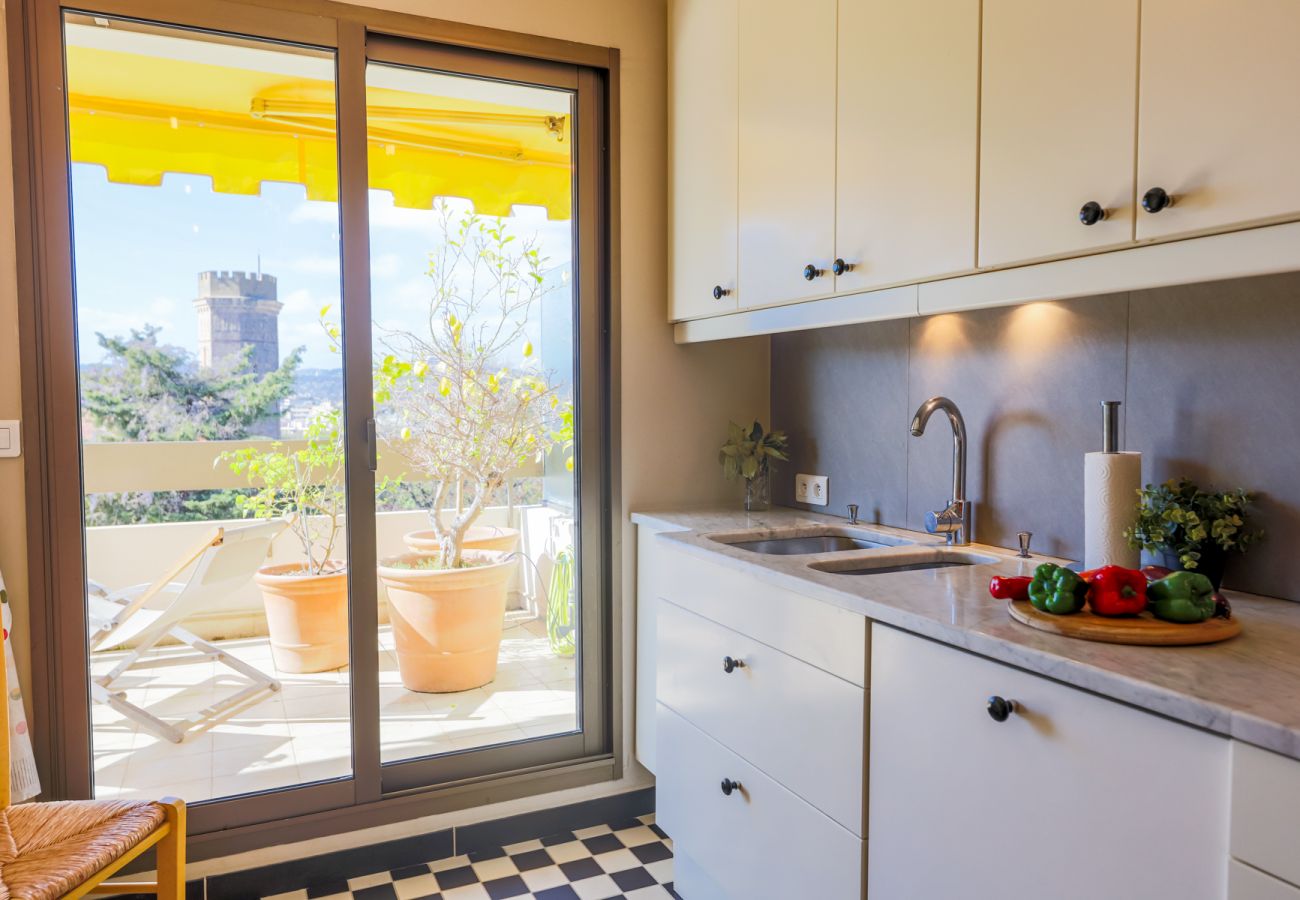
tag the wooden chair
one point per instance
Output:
(69, 848)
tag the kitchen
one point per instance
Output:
(926, 503)
(1027, 209)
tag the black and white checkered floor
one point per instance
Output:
(632, 860)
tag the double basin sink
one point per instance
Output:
(850, 551)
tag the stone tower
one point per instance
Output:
(238, 310)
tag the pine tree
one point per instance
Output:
(147, 391)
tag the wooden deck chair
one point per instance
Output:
(142, 615)
(66, 849)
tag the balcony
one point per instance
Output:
(301, 732)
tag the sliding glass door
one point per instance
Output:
(341, 415)
(206, 240)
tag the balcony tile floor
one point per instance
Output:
(301, 733)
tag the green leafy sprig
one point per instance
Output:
(748, 454)
(1180, 517)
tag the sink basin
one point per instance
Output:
(807, 541)
(886, 564)
(826, 543)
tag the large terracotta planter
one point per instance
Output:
(307, 616)
(447, 623)
(477, 537)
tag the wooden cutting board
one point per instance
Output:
(1143, 628)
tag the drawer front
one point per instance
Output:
(830, 638)
(803, 727)
(761, 842)
(1245, 883)
(965, 806)
(1266, 810)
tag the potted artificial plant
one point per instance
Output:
(306, 601)
(749, 454)
(1192, 529)
(470, 405)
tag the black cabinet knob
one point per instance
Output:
(839, 267)
(1000, 709)
(719, 292)
(810, 272)
(1156, 199)
(1091, 213)
(728, 786)
(730, 665)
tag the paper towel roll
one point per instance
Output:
(1110, 485)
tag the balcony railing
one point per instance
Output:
(122, 555)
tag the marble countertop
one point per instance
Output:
(1247, 688)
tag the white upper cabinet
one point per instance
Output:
(908, 136)
(703, 69)
(1219, 127)
(787, 150)
(1059, 99)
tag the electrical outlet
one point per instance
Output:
(812, 489)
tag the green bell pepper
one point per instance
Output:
(1057, 590)
(1185, 597)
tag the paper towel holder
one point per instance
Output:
(1110, 426)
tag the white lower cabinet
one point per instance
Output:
(1246, 883)
(1072, 796)
(1265, 816)
(759, 841)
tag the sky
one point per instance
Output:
(139, 250)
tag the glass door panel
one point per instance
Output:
(473, 299)
(206, 241)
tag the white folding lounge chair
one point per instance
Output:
(145, 614)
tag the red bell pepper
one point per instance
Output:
(1009, 587)
(1117, 591)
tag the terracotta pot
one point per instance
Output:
(447, 623)
(307, 616)
(477, 537)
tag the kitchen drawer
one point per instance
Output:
(1245, 883)
(759, 843)
(830, 638)
(803, 727)
(1266, 810)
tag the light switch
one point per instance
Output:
(10, 441)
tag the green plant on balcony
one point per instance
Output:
(305, 486)
(306, 602)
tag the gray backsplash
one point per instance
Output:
(1209, 375)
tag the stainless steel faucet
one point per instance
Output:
(953, 521)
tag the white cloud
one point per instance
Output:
(385, 265)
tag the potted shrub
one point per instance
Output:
(469, 405)
(307, 601)
(1192, 529)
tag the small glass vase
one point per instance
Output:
(758, 492)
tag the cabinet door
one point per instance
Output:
(787, 149)
(1058, 102)
(908, 133)
(1219, 124)
(1073, 796)
(702, 113)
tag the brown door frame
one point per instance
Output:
(51, 409)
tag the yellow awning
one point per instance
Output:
(143, 105)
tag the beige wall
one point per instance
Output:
(675, 400)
